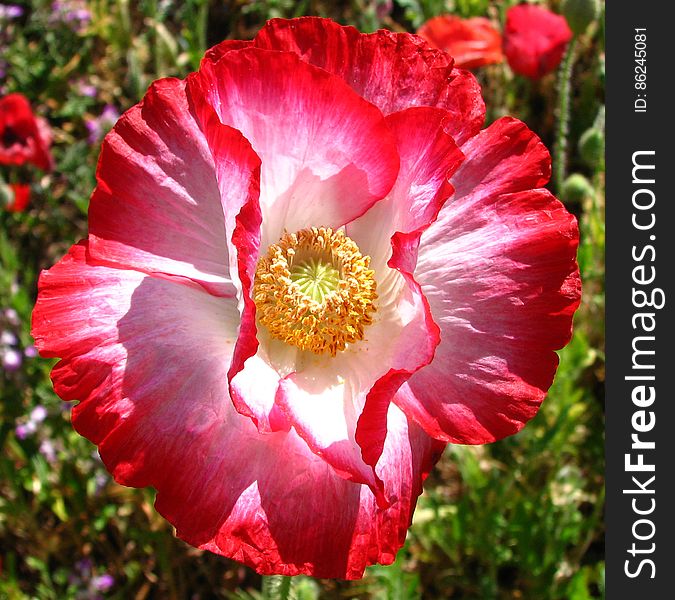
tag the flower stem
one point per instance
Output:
(562, 131)
(276, 587)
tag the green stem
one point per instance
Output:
(276, 587)
(562, 131)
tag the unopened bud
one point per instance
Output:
(580, 13)
(575, 189)
(592, 146)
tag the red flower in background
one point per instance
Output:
(307, 269)
(21, 193)
(471, 42)
(534, 40)
(24, 138)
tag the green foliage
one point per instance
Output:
(520, 518)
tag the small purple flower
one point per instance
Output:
(38, 414)
(102, 583)
(10, 11)
(79, 14)
(383, 8)
(30, 351)
(48, 451)
(7, 338)
(99, 126)
(25, 430)
(101, 479)
(87, 89)
(71, 12)
(12, 316)
(84, 566)
(11, 359)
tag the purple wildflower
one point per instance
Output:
(103, 583)
(38, 414)
(99, 126)
(11, 359)
(10, 11)
(7, 338)
(84, 566)
(25, 430)
(48, 451)
(73, 13)
(12, 316)
(87, 89)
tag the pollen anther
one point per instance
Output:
(315, 290)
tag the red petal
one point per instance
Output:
(499, 271)
(157, 206)
(215, 53)
(319, 142)
(394, 71)
(295, 516)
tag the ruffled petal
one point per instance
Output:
(243, 217)
(327, 155)
(131, 344)
(394, 71)
(148, 359)
(309, 520)
(157, 207)
(429, 157)
(499, 270)
(215, 53)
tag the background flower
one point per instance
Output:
(534, 40)
(21, 196)
(471, 42)
(24, 138)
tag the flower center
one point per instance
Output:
(314, 289)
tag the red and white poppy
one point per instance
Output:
(307, 270)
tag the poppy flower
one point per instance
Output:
(307, 270)
(20, 197)
(24, 138)
(471, 42)
(534, 40)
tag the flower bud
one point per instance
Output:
(580, 13)
(592, 146)
(575, 189)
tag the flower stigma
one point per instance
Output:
(315, 290)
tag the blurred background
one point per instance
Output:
(520, 518)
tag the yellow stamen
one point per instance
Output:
(313, 289)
